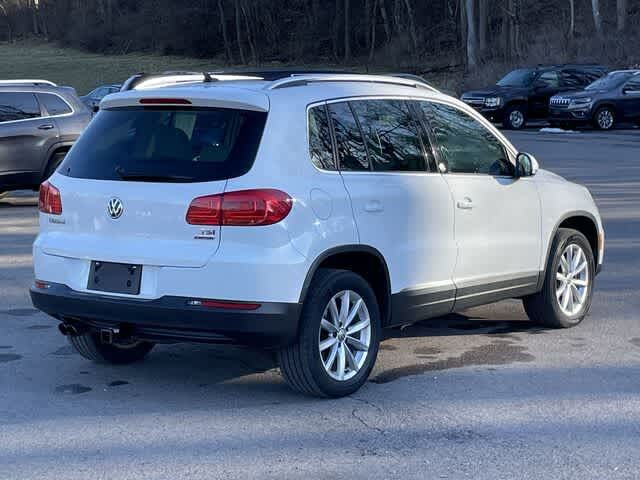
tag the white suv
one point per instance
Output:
(302, 214)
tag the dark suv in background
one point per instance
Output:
(605, 102)
(39, 122)
(524, 94)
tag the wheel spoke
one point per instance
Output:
(569, 258)
(352, 314)
(333, 311)
(578, 296)
(358, 326)
(580, 268)
(357, 344)
(351, 360)
(327, 343)
(344, 306)
(576, 259)
(332, 357)
(560, 291)
(565, 298)
(580, 283)
(341, 361)
(561, 277)
(328, 326)
(564, 264)
(570, 295)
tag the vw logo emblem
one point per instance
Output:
(115, 208)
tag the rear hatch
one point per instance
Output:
(128, 182)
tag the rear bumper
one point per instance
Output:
(171, 319)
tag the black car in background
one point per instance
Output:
(524, 93)
(605, 102)
(93, 98)
(39, 122)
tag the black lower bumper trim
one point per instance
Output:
(171, 319)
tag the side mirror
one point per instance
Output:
(526, 165)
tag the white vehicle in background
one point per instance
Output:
(303, 214)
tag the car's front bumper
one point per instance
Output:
(170, 319)
(570, 115)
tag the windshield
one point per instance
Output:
(613, 80)
(518, 78)
(166, 145)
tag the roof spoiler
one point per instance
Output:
(142, 81)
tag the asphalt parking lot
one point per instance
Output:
(482, 394)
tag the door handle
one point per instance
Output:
(373, 206)
(465, 204)
(46, 126)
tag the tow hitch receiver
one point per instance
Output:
(108, 334)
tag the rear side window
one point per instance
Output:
(465, 145)
(320, 143)
(167, 145)
(352, 155)
(633, 85)
(18, 106)
(391, 134)
(53, 104)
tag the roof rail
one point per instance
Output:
(27, 82)
(395, 79)
(142, 81)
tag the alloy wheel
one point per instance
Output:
(345, 335)
(572, 280)
(516, 118)
(605, 119)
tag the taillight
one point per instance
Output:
(50, 201)
(244, 208)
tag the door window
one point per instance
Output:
(18, 106)
(464, 144)
(352, 155)
(320, 144)
(54, 104)
(392, 135)
(548, 80)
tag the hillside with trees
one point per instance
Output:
(480, 38)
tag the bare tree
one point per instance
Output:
(5, 14)
(483, 20)
(347, 31)
(621, 9)
(597, 19)
(239, 32)
(223, 27)
(572, 18)
(472, 39)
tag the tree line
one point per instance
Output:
(411, 34)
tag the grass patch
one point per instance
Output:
(81, 70)
(84, 71)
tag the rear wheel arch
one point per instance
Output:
(364, 260)
(52, 157)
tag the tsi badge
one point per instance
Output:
(115, 208)
(206, 234)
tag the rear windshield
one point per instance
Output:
(166, 145)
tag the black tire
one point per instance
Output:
(512, 113)
(601, 119)
(544, 307)
(301, 363)
(90, 347)
(54, 162)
